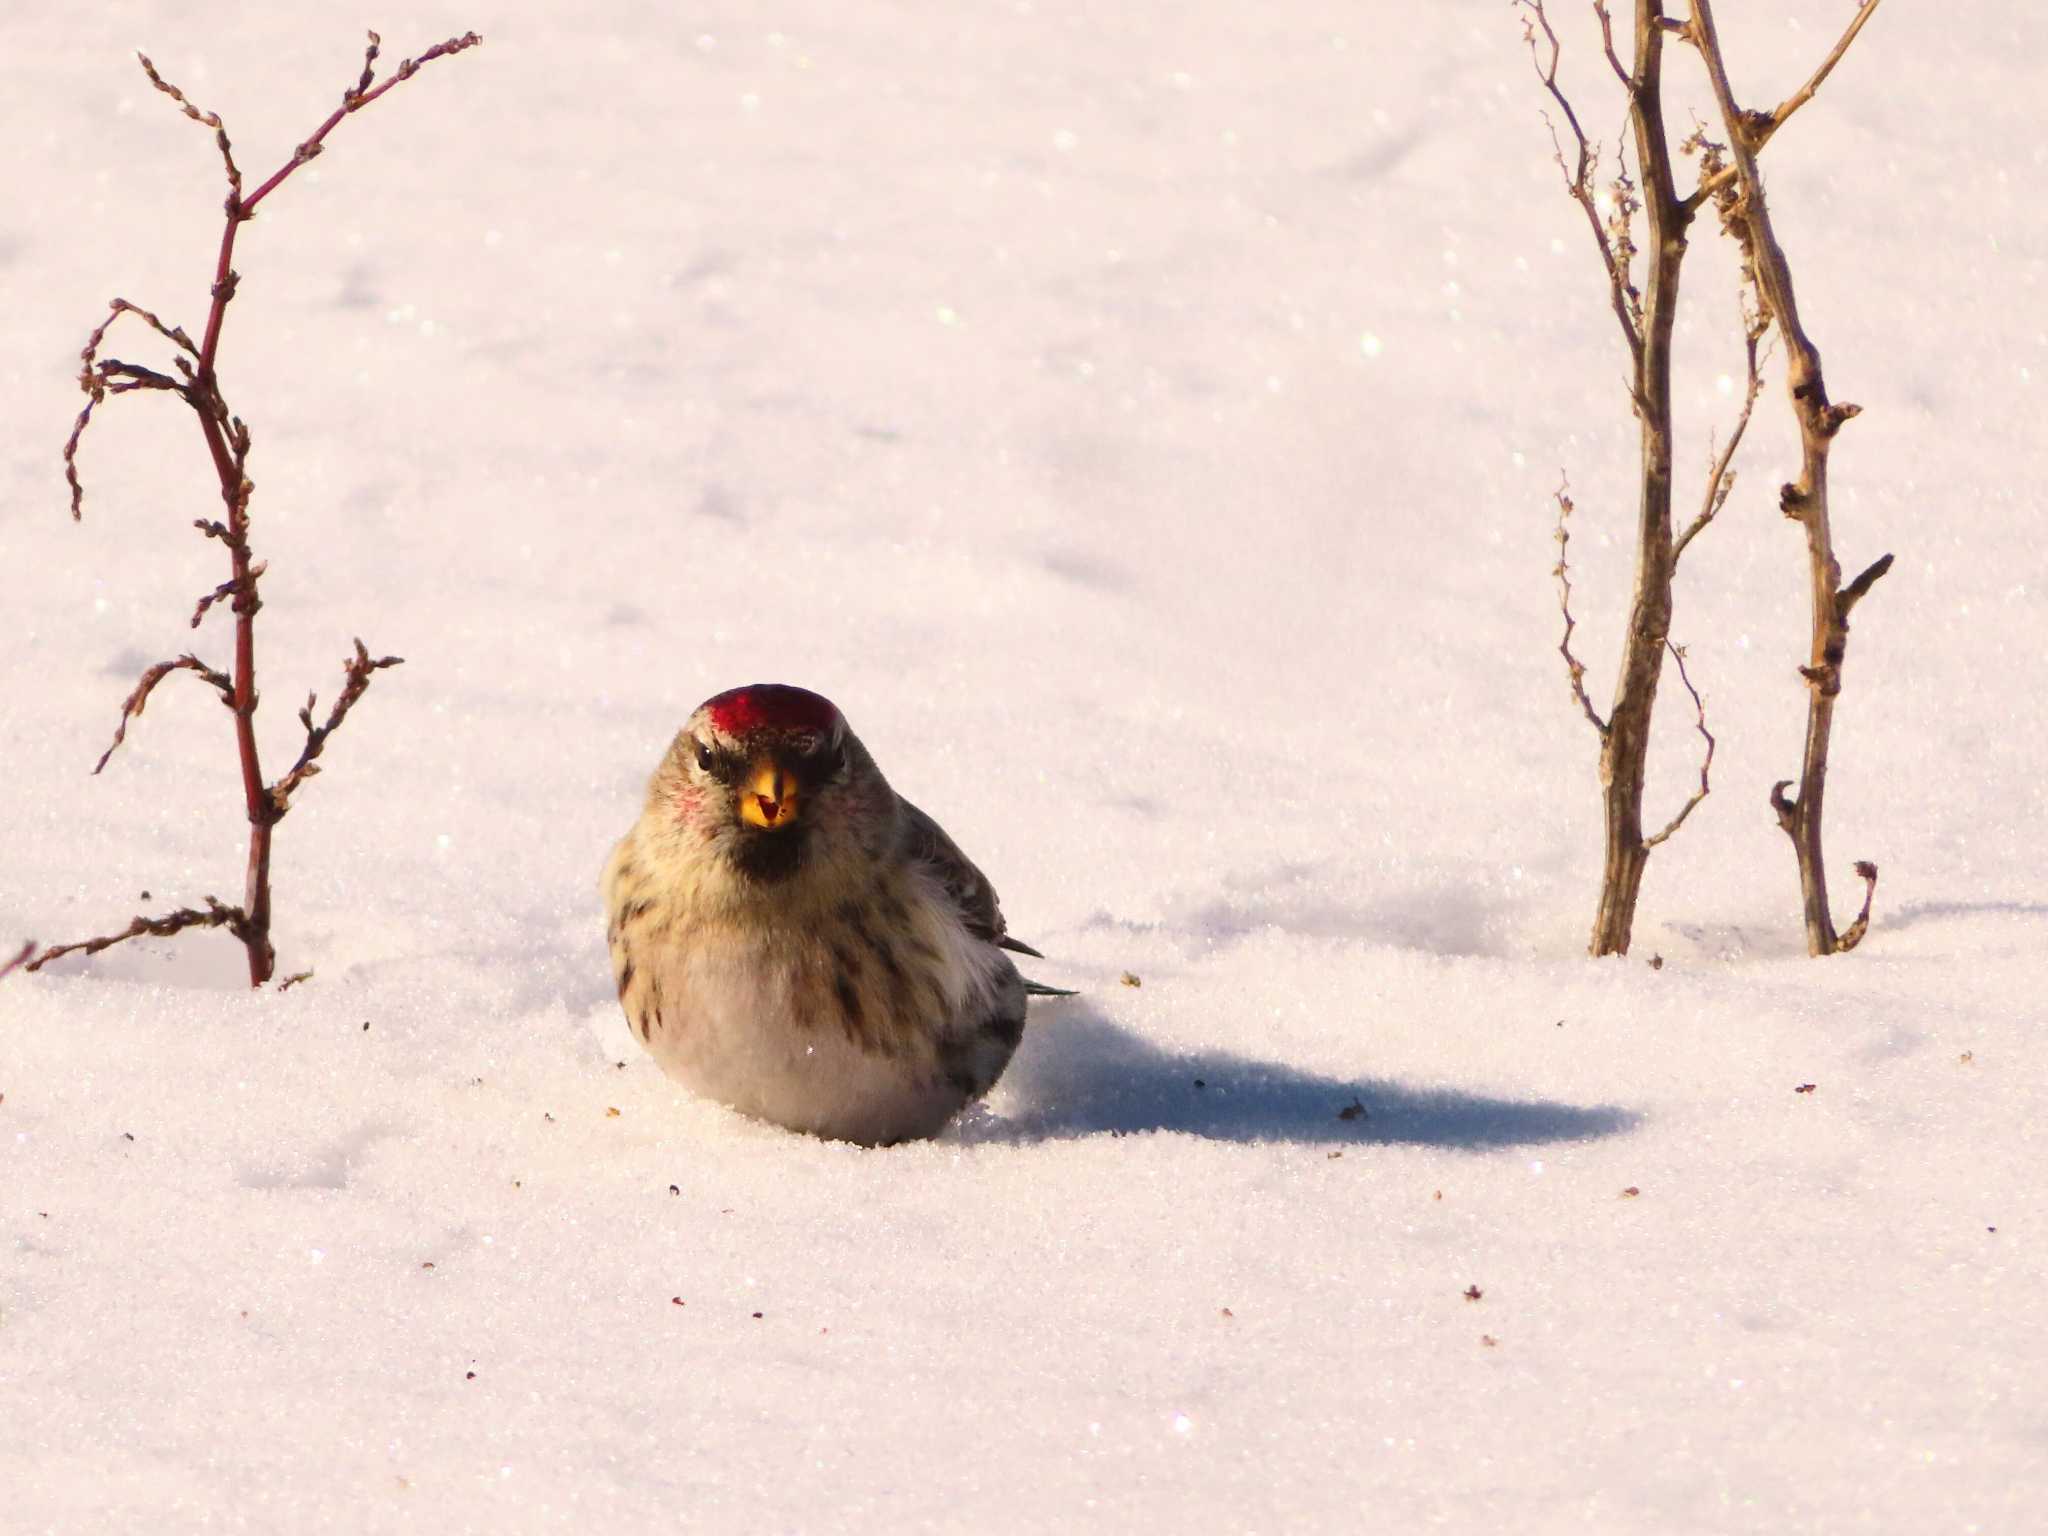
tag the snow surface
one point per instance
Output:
(1141, 419)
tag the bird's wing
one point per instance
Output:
(925, 842)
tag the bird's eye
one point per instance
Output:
(703, 757)
(826, 759)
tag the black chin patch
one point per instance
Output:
(770, 856)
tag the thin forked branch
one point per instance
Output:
(1746, 213)
(93, 379)
(1721, 470)
(132, 705)
(1579, 177)
(210, 119)
(1621, 72)
(215, 916)
(1864, 11)
(360, 666)
(1706, 763)
(1762, 125)
(197, 383)
(354, 99)
(1574, 668)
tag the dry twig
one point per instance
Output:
(132, 705)
(1646, 313)
(1747, 215)
(1574, 668)
(21, 956)
(1706, 762)
(197, 383)
(234, 919)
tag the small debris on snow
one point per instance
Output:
(1473, 1293)
(1488, 1340)
(676, 1301)
(1630, 1193)
(611, 1112)
(1804, 1088)
(674, 1190)
(1130, 979)
(1656, 962)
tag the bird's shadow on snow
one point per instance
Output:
(1078, 1074)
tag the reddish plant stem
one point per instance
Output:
(211, 409)
(256, 890)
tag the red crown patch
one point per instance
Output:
(770, 706)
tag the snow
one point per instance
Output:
(1141, 420)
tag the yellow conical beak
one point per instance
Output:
(768, 798)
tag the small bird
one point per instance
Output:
(792, 938)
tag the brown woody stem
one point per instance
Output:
(227, 444)
(1806, 500)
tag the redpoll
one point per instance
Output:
(793, 939)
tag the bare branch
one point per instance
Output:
(1579, 177)
(297, 976)
(1746, 215)
(197, 382)
(171, 333)
(1628, 82)
(354, 100)
(1799, 98)
(132, 706)
(1721, 472)
(71, 459)
(215, 916)
(123, 378)
(1763, 125)
(210, 119)
(360, 666)
(1851, 936)
(93, 381)
(1572, 665)
(20, 958)
(1706, 763)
